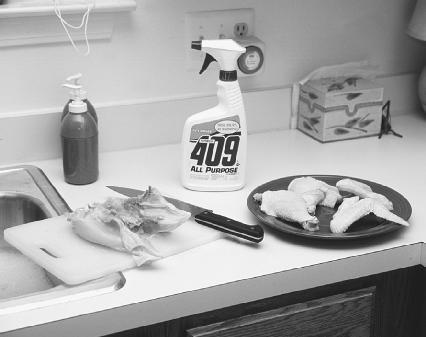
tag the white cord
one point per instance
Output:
(84, 23)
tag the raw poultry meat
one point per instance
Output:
(312, 199)
(363, 191)
(346, 203)
(305, 184)
(126, 224)
(287, 205)
(344, 218)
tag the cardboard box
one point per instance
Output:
(332, 109)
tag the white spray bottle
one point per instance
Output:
(214, 141)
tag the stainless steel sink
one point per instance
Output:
(27, 195)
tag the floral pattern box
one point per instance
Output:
(340, 108)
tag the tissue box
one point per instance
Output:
(332, 109)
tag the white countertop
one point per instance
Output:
(226, 272)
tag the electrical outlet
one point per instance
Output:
(221, 24)
(240, 30)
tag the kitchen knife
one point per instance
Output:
(206, 217)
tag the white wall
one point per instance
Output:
(145, 59)
(143, 93)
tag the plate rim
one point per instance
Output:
(382, 229)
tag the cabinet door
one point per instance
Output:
(347, 314)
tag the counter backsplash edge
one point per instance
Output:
(35, 136)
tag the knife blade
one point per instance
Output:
(206, 217)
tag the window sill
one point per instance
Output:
(31, 22)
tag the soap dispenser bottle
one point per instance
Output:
(79, 136)
(214, 141)
(70, 83)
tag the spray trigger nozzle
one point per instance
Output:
(208, 59)
(225, 51)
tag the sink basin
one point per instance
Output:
(27, 195)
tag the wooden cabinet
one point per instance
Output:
(347, 314)
(382, 305)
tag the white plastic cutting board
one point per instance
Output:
(53, 245)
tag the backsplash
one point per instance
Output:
(29, 136)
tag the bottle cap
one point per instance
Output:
(73, 83)
(77, 107)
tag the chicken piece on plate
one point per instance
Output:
(345, 218)
(287, 205)
(305, 184)
(312, 199)
(363, 191)
(346, 203)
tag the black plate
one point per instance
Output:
(367, 226)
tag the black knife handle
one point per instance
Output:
(229, 226)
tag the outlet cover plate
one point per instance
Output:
(213, 25)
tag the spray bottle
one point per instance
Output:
(71, 82)
(214, 141)
(79, 136)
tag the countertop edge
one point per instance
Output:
(224, 295)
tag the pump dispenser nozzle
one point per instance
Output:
(74, 78)
(77, 94)
(77, 105)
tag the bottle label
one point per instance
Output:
(214, 150)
